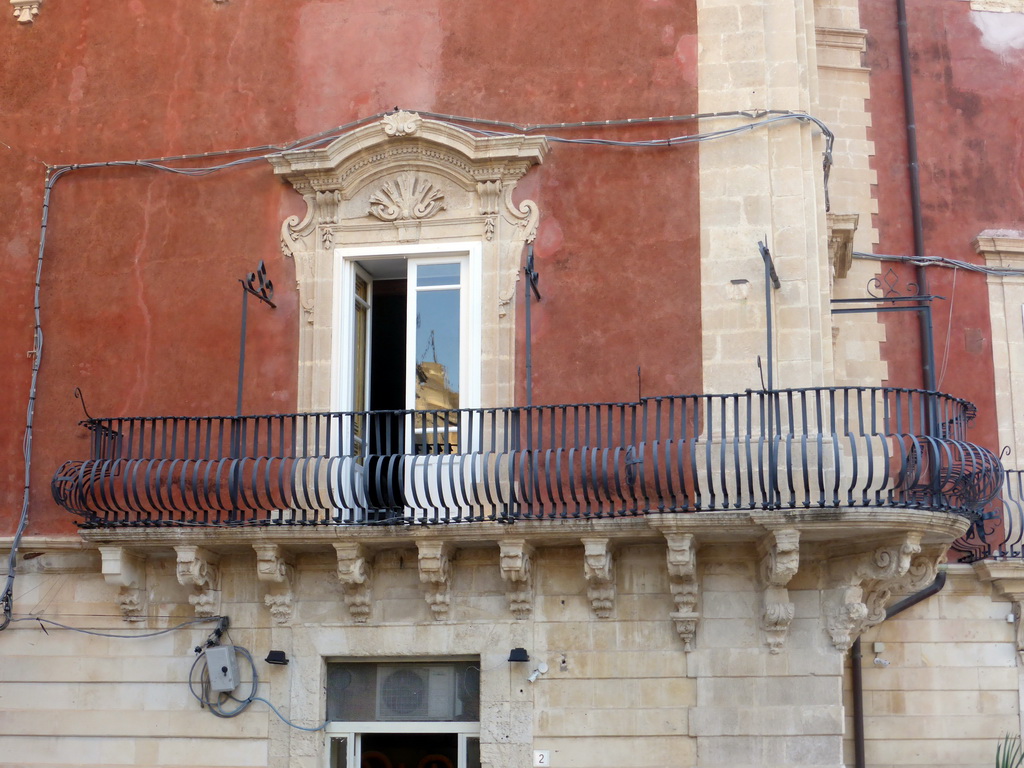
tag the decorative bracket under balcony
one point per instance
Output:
(198, 568)
(517, 570)
(436, 575)
(600, 576)
(780, 560)
(864, 582)
(682, 574)
(356, 575)
(25, 11)
(276, 571)
(127, 571)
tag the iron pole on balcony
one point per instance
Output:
(255, 283)
(771, 280)
(532, 278)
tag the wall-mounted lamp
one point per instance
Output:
(879, 649)
(518, 654)
(276, 657)
(542, 669)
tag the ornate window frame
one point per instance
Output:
(402, 181)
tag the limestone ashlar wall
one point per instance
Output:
(73, 699)
(950, 691)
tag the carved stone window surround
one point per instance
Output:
(403, 181)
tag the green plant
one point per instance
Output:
(1010, 754)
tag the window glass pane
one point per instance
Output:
(472, 752)
(437, 274)
(432, 691)
(339, 753)
(437, 349)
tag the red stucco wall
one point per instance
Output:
(140, 299)
(968, 94)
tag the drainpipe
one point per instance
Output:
(924, 318)
(856, 679)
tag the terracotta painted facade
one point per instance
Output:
(970, 132)
(139, 296)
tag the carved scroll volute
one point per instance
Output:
(682, 574)
(355, 575)
(863, 584)
(198, 568)
(435, 574)
(600, 576)
(780, 559)
(516, 561)
(274, 570)
(126, 571)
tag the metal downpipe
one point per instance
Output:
(856, 678)
(914, 169)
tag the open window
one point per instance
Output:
(403, 715)
(408, 341)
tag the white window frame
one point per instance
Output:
(352, 732)
(470, 254)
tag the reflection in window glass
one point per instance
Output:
(437, 349)
(437, 274)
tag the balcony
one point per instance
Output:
(795, 449)
(998, 533)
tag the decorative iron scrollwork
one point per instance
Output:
(889, 286)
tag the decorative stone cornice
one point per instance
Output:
(682, 574)
(436, 575)
(597, 570)
(274, 570)
(863, 582)
(356, 576)
(25, 11)
(1002, 248)
(127, 571)
(516, 561)
(1007, 578)
(780, 560)
(198, 568)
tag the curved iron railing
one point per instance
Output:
(997, 533)
(784, 449)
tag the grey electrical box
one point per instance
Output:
(222, 666)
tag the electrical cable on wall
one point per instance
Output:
(225, 704)
(761, 118)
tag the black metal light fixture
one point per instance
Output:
(277, 657)
(517, 655)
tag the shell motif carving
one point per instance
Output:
(407, 197)
(401, 123)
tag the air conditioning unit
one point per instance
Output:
(416, 692)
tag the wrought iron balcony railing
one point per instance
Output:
(998, 533)
(785, 449)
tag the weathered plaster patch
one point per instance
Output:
(1000, 33)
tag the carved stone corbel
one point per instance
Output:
(597, 570)
(780, 560)
(436, 575)
(274, 570)
(682, 574)
(25, 11)
(863, 583)
(841, 229)
(355, 575)
(516, 562)
(198, 568)
(127, 571)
